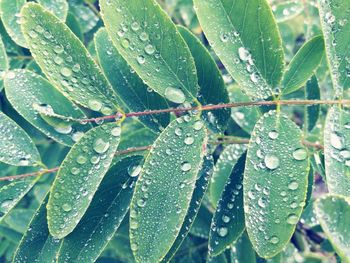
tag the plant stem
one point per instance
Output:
(221, 106)
(224, 140)
(93, 8)
(55, 169)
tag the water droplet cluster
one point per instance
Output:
(165, 186)
(84, 166)
(337, 151)
(275, 181)
(158, 54)
(65, 60)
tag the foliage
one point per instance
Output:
(174, 131)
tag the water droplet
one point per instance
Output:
(81, 159)
(66, 72)
(116, 131)
(293, 185)
(186, 167)
(225, 218)
(336, 141)
(198, 125)
(66, 207)
(149, 49)
(300, 154)
(75, 170)
(189, 140)
(271, 161)
(134, 171)
(100, 146)
(222, 231)
(273, 134)
(135, 26)
(141, 59)
(175, 95)
(144, 36)
(244, 54)
(292, 219)
(126, 43)
(95, 105)
(274, 240)
(141, 202)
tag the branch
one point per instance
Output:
(52, 170)
(219, 107)
(224, 140)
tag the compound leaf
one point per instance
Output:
(65, 60)
(336, 151)
(80, 175)
(303, 65)
(333, 212)
(275, 183)
(245, 37)
(334, 17)
(104, 215)
(16, 147)
(130, 88)
(212, 86)
(162, 58)
(163, 192)
(39, 99)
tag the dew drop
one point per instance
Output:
(336, 141)
(293, 185)
(100, 146)
(95, 105)
(189, 140)
(116, 131)
(273, 135)
(149, 49)
(186, 167)
(66, 207)
(271, 161)
(222, 231)
(292, 219)
(66, 72)
(175, 95)
(274, 240)
(300, 154)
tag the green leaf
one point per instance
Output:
(162, 194)
(37, 96)
(275, 183)
(303, 65)
(336, 29)
(197, 197)
(212, 86)
(134, 134)
(201, 225)
(12, 193)
(243, 251)
(245, 117)
(4, 63)
(223, 169)
(312, 112)
(16, 147)
(86, 17)
(58, 7)
(228, 222)
(333, 213)
(10, 17)
(73, 23)
(80, 175)
(19, 218)
(37, 245)
(336, 151)
(106, 212)
(287, 10)
(65, 61)
(162, 58)
(130, 88)
(245, 37)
